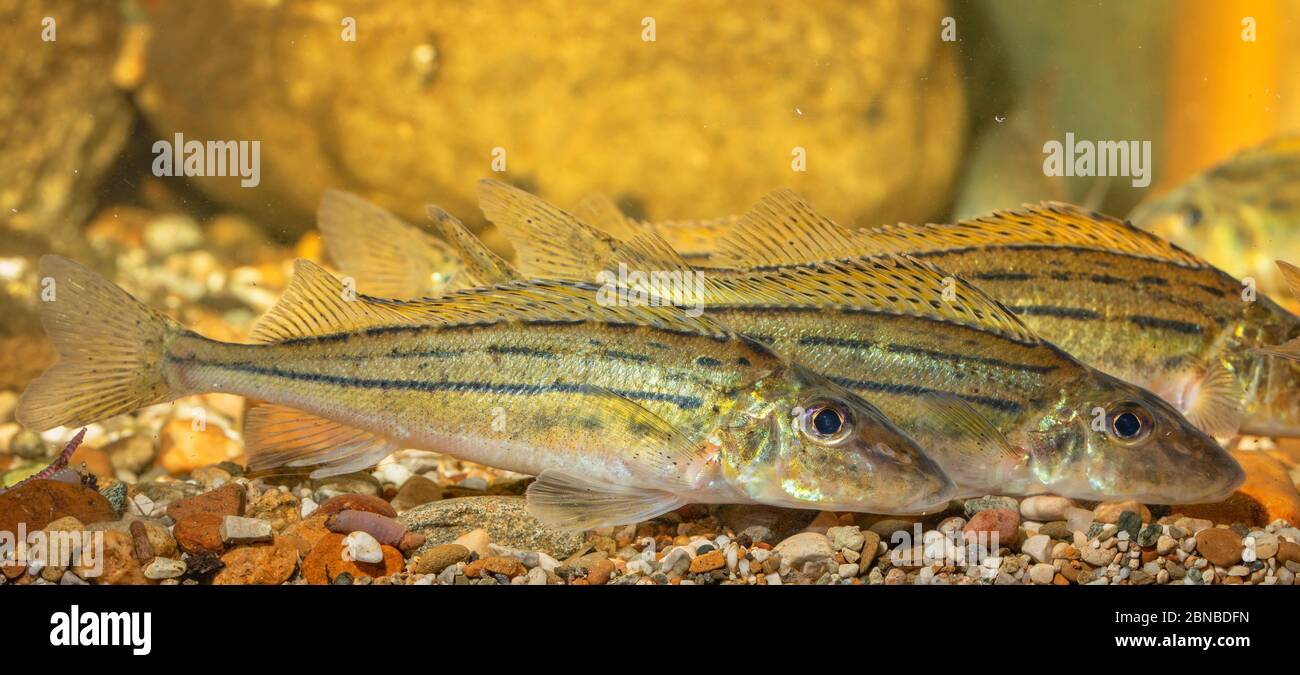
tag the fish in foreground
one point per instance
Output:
(622, 413)
(1002, 410)
(1240, 215)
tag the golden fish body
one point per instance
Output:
(623, 413)
(1001, 409)
(1129, 304)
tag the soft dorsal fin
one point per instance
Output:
(782, 229)
(316, 303)
(388, 257)
(894, 284)
(1051, 224)
(481, 266)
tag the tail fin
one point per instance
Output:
(110, 351)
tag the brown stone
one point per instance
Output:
(306, 533)
(356, 502)
(199, 533)
(495, 564)
(258, 565)
(1288, 552)
(227, 500)
(325, 562)
(439, 558)
(1005, 522)
(415, 491)
(40, 502)
(1220, 546)
(599, 573)
(713, 560)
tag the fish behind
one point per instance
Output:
(624, 413)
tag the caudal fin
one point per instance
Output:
(110, 348)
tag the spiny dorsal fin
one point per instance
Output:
(388, 257)
(481, 266)
(316, 303)
(277, 436)
(782, 229)
(895, 284)
(549, 241)
(1052, 224)
(555, 244)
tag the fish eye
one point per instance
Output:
(1192, 216)
(1130, 422)
(826, 421)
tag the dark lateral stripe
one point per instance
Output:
(1002, 404)
(1166, 324)
(1107, 279)
(1058, 312)
(1216, 292)
(929, 353)
(520, 351)
(707, 361)
(861, 311)
(627, 356)
(1154, 281)
(684, 402)
(1001, 276)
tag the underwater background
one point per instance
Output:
(877, 111)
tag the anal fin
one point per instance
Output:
(276, 435)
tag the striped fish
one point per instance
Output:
(624, 413)
(1118, 298)
(1001, 409)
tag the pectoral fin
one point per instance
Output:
(1214, 405)
(980, 448)
(569, 502)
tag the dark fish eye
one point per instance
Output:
(1130, 423)
(1193, 215)
(828, 422)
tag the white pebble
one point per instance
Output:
(362, 547)
(309, 506)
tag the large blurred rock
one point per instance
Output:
(698, 123)
(64, 120)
